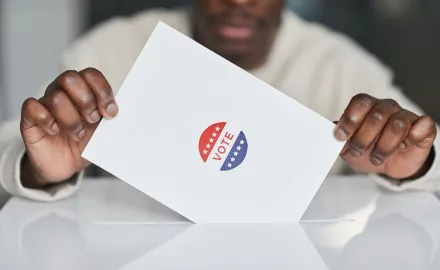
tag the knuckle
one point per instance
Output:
(44, 119)
(91, 73)
(88, 102)
(67, 77)
(99, 84)
(377, 116)
(429, 119)
(90, 70)
(399, 123)
(360, 96)
(392, 104)
(364, 100)
(56, 98)
(27, 105)
(431, 124)
(348, 122)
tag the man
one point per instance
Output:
(386, 134)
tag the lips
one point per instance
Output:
(235, 32)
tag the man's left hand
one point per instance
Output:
(385, 139)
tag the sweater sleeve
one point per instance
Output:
(12, 150)
(96, 49)
(363, 73)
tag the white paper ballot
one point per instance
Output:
(211, 141)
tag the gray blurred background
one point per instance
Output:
(405, 34)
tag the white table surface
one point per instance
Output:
(351, 224)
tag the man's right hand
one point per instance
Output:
(57, 127)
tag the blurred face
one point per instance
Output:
(242, 31)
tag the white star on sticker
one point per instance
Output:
(235, 153)
(232, 159)
(217, 129)
(211, 140)
(229, 165)
(205, 152)
(208, 146)
(238, 148)
(214, 134)
(241, 142)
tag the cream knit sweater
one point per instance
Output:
(320, 69)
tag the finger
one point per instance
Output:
(103, 92)
(33, 113)
(395, 131)
(372, 126)
(353, 116)
(345, 148)
(423, 132)
(65, 113)
(80, 95)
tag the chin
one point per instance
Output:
(234, 51)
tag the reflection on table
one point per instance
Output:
(351, 224)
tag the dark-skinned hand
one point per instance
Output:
(386, 139)
(381, 137)
(57, 127)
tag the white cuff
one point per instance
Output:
(10, 179)
(429, 182)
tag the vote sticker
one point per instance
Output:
(219, 145)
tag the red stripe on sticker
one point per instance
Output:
(209, 138)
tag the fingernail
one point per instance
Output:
(94, 117)
(55, 128)
(402, 146)
(376, 161)
(111, 110)
(340, 134)
(354, 152)
(81, 134)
